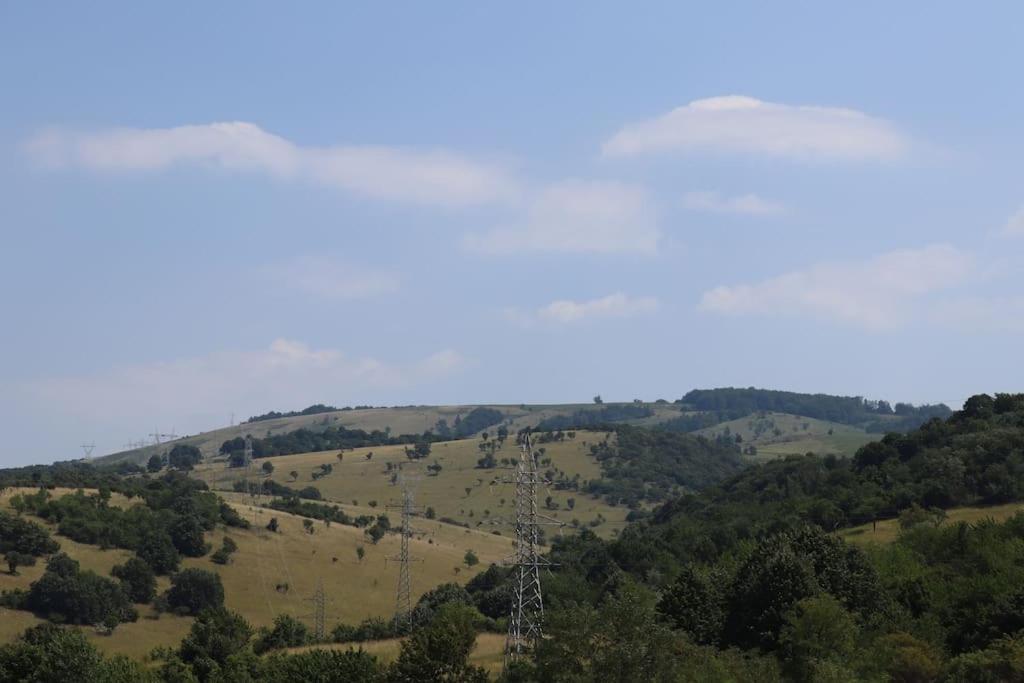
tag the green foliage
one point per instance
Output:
(592, 418)
(154, 464)
(433, 600)
(471, 559)
(66, 594)
(23, 536)
(48, 653)
(693, 605)
(286, 632)
(158, 551)
(137, 579)
(184, 457)
(14, 559)
(216, 636)
(440, 650)
(323, 666)
(194, 590)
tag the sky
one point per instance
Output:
(217, 209)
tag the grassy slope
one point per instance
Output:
(413, 420)
(888, 530)
(799, 435)
(362, 480)
(355, 590)
(488, 653)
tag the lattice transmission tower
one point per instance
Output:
(525, 624)
(403, 592)
(319, 612)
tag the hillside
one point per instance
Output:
(412, 420)
(774, 435)
(356, 589)
(487, 505)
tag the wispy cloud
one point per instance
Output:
(287, 373)
(738, 124)
(333, 278)
(876, 294)
(578, 216)
(748, 204)
(566, 311)
(423, 176)
(1015, 224)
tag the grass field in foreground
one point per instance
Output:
(254, 580)
(888, 530)
(486, 506)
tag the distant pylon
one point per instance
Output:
(403, 593)
(525, 624)
(319, 612)
(87, 448)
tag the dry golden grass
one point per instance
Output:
(888, 530)
(488, 653)
(265, 560)
(487, 506)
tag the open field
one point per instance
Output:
(888, 530)
(486, 506)
(273, 574)
(780, 434)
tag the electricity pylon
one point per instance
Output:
(403, 593)
(87, 448)
(319, 612)
(525, 624)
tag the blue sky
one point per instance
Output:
(237, 208)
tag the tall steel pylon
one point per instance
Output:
(525, 624)
(403, 593)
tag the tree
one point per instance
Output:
(817, 630)
(215, 637)
(471, 559)
(440, 651)
(430, 513)
(47, 653)
(294, 475)
(323, 666)
(194, 590)
(25, 536)
(433, 600)
(155, 464)
(184, 457)
(598, 400)
(137, 578)
(188, 536)
(691, 605)
(267, 467)
(286, 632)
(158, 551)
(14, 559)
(307, 524)
(272, 525)
(360, 552)
(67, 594)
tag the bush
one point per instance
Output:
(195, 590)
(66, 594)
(137, 578)
(287, 632)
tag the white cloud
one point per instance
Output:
(391, 173)
(876, 294)
(981, 315)
(333, 278)
(713, 202)
(565, 311)
(578, 216)
(197, 392)
(1015, 224)
(740, 124)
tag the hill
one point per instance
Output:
(411, 420)
(766, 435)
